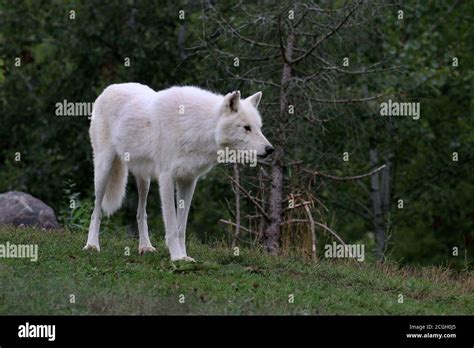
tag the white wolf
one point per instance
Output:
(172, 136)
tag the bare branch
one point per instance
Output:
(346, 178)
(245, 229)
(326, 36)
(236, 33)
(259, 207)
(333, 233)
(234, 224)
(319, 9)
(365, 70)
(300, 20)
(263, 82)
(282, 45)
(298, 205)
(345, 101)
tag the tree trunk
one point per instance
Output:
(272, 232)
(181, 40)
(237, 205)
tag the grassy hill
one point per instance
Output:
(111, 282)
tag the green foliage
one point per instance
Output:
(76, 217)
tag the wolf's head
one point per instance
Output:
(239, 126)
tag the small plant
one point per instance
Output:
(76, 214)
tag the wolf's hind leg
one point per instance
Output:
(102, 167)
(143, 186)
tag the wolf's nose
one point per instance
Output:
(269, 149)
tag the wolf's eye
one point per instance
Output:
(248, 128)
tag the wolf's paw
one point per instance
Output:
(183, 258)
(186, 265)
(91, 247)
(146, 249)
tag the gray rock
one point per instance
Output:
(22, 209)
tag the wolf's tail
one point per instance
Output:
(115, 188)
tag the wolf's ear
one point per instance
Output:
(231, 102)
(255, 99)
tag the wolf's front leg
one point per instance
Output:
(184, 194)
(166, 182)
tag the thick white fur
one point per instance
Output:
(172, 136)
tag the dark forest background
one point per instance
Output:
(324, 67)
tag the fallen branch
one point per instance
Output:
(332, 232)
(313, 233)
(339, 239)
(312, 223)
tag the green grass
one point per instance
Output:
(253, 283)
